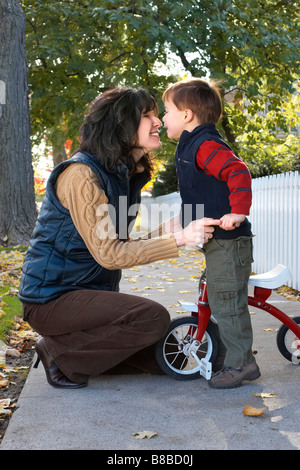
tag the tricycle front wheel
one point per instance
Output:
(175, 351)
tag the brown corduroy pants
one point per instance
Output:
(90, 332)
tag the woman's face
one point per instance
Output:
(148, 135)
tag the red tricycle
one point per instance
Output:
(190, 347)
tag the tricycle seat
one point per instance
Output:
(272, 279)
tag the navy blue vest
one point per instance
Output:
(203, 195)
(58, 260)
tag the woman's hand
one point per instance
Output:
(173, 225)
(197, 232)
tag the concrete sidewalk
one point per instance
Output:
(185, 415)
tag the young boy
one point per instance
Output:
(210, 174)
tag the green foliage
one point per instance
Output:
(76, 49)
(12, 308)
(274, 158)
(10, 266)
(166, 181)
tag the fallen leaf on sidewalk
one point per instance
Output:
(5, 404)
(264, 395)
(12, 352)
(144, 434)
(22, 336)
(251, 411)
(4, 383)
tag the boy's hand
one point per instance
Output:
(231, 221)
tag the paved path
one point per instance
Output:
(185, 415)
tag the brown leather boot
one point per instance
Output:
(54, 375)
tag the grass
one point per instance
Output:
(11, 309)
(10, 306)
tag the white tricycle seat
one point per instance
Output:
(272, 279)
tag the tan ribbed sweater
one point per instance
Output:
(78, 190)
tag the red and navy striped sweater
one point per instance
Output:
(220, 162)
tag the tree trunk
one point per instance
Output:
(59, 154)
(17, 199)
(227, 129)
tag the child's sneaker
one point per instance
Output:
(229, 377)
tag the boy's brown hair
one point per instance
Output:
(201, 96)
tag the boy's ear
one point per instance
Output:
(188, 115)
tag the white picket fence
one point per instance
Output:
(275, 219)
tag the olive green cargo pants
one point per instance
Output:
(228, 267)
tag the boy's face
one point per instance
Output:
(174, 120)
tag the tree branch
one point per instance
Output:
(185, 62)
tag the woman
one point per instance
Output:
(71, 272)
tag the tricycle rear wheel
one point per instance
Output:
(288, 344)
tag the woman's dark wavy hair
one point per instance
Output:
(109, 130)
